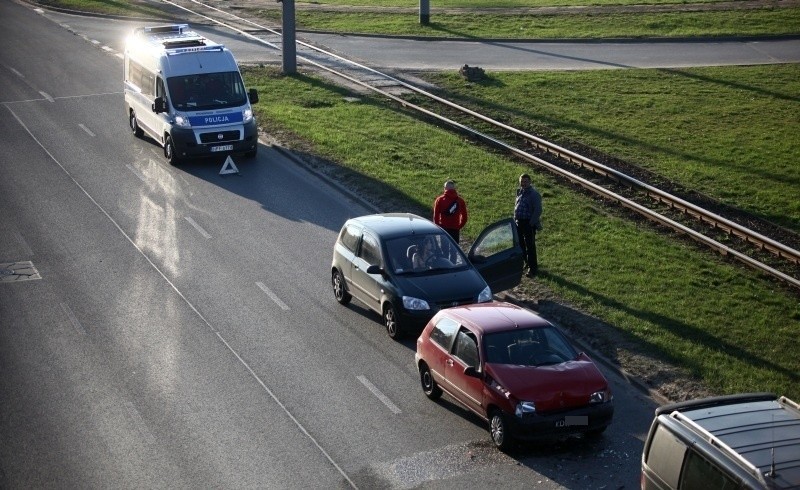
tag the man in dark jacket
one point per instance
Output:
(527, 215)
(450, 211)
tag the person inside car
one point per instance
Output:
(424, 258)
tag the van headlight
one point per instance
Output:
(486, 295)
(182, 121)
(411, 303)
(247, 114)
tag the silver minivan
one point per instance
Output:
(744, 441)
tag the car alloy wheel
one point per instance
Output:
(429, 386)
(499, 430)
(339, 290)
(390, 320)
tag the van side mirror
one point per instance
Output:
(159, 106)
(253, 96)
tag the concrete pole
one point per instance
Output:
(424, 12)
(289, 38)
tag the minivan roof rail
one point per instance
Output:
(716, 402)
(716, 441)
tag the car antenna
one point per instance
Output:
(771, 473)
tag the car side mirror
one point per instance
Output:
(253, 96)
(159, 106)
(471, 372)
(374, 269)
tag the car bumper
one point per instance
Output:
(186, 144)
(585, 419)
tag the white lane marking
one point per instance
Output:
(120, 56)
(24, 244)
(16, 72)
(137, 173)
(375, 391)
(53, 99)
(87, 130)
(272, 296)
(73, 319)
(198, 227)
(107, 48)
(184, 298)
(139, 423)
(286, 410)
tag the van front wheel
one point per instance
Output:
(137, 131)
(169, 151)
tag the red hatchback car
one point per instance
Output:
(515, 370)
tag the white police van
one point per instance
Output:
(186, 92)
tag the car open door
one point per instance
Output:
(497, 255)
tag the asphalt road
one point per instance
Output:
(180, 330)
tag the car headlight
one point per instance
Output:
(524, 408)
(486, 295)
(601, 396)
(411, 303)
(182, 121)
(247, 114)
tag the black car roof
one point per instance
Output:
(392, 225)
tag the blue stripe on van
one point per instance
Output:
(216, 119)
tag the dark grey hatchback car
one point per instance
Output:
(406, 268)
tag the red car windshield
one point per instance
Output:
(539, 346)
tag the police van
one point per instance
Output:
(186, 92)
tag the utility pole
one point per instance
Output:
(424, 12)
(289, 38)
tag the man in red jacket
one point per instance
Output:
(450, 211)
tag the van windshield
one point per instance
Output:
(206, 91)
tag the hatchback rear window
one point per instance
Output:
(443, 332)
(349, 237)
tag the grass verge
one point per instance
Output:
(109, 7)
(760, 22)
(728, 327)
(727, 132)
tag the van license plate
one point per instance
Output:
(222, 148)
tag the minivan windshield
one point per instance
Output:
(538, 346)
(423, 254)
(206, 91)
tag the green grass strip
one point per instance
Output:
(785, 21)
(727, 132)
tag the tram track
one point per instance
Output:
(668, 210)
